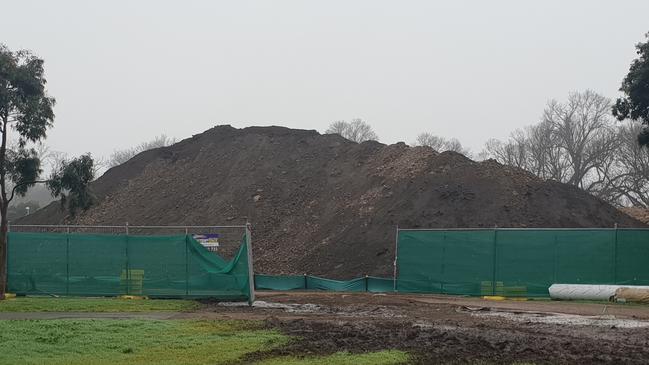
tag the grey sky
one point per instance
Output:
(125, 71)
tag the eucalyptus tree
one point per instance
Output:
(26, 114)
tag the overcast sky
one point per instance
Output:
(125, 71)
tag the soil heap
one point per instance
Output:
(641, 214)
(322, 205)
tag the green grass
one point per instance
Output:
(389, 357)
(160, 342)
(38, 304)
(180, 342)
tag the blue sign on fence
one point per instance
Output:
(208, 240)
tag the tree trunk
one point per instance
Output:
(4, 229)
(4, 206)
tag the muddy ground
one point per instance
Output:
(438, 329)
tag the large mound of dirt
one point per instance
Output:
(641, 214)
(323, 205)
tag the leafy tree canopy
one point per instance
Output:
(71, 182)
(635, 86)
(27, 110)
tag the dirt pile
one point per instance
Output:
(322, 205)
(640, 214)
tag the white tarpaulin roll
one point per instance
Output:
(637, 295)
(586, 292)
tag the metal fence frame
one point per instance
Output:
(126, 228)
(495, 230)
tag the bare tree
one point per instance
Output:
(120, 156)
(441, 144)
(583, 130)
(100, 166)
(630, 180)
(56, 159)
(157, 142)
(508, 153)
(356, 130)
(427, 139)
(574, 143)
(546, 158)
(338, 127)
(454, 145)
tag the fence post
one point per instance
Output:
(366, 283)
(495, 261)
(128, 269)
(615, 257)
(186, 266)
(555, 257)
(394, 263)
(67, 262)
(305, 282)
(186, 261)
(251, 270)
(442, 276)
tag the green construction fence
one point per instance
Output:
(508, 262)
(112, 265)
(308, 282)
(519, 262)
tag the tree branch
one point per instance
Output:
(13, 191)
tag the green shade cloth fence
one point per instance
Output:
(519, 262)
(307, 282)
(509, 262)
(109, 265)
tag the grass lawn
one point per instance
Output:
(76, 342)
(388, 357)
(45, 304)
